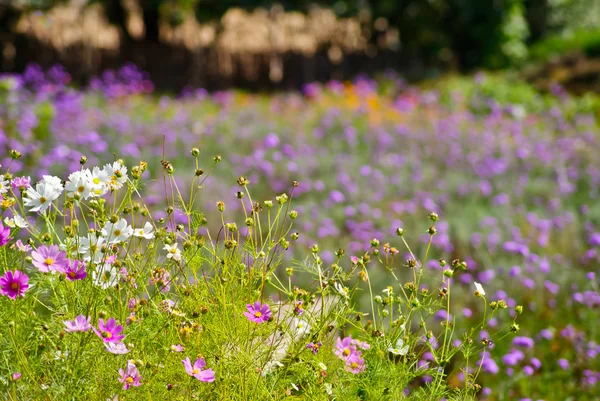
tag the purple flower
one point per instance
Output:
(563, 363)
(525, 342)
(49, 258)
(130, 376)
(258, 313)
(4, 234)
(197, 371)
(14, 284)
(75, 270)
(16, 376)
(80, 323)
(109, 332)
(314, 347)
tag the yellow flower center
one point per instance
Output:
(49, 261)
(117, 232)
(129, 380)
(173, 250)
(96, 180)
(72, 274)
(354, 365)
(257, 314)
(140, 232)
(107, 334)
(346, 351)
(81, 188)
(196, 371)
(42, 200)
(14, 286)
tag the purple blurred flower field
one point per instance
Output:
(516, 186)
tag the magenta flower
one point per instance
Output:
(49, 258)
(355, 364)
(75, 270)
(109, 332)
(80, 323)
(197, 371)
(345, 348)
(258, 313)
(130, 376)
(14, 284)
(4, 234)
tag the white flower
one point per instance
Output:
(322, 366)
(40, 198)
(300, 327)
(400, 348)
(329, 388)
(91, 248)
(117, 232)
(99, 182)
(271, 366)
(54, 181)
(4, 186)
(341, 289)
(105, 276)
(479, 289)
(116, 348)
(173, 252)
(146, 232)
(80, 183)
(117, 174)
(16, 221)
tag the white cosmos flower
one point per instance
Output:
(91, 248)
(54, 181)
(400, 348)
(99, 181)
(117, 174)
(16, 221)
(173, 252)
(146, 232)
(300, 328)
(80, 183)
(105, 276)
(116, 348)
(479, 288)
(4, 186)
(40, 198)
(117, 232)
(341, 289)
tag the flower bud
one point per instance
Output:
(519, 309)
(433, 216)
(195, 152)
(399, 231)
(15, 154)
(293, 214)
(82, 160)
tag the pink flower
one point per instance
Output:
(177, 348)
(81, 323)
(22, 247)
(116, 348)
(21, 183)
(14, 284)
(109, 332)
(258, 313)
(355, 364)
(196, 370)
(345, 348)
(49, 258)
(361, 344)
(130, 376)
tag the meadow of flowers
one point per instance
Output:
(421, 225)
